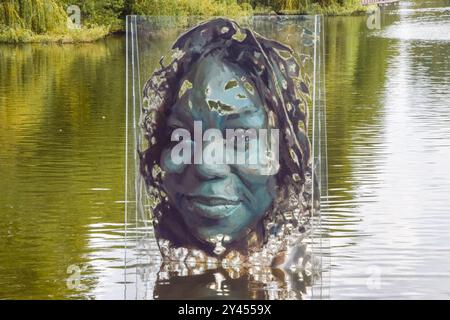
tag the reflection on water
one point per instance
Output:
(387, 221)
(389, 149)
(146, 276)
(420, 24)
(61, 148)
(230, 284)
(156, 279)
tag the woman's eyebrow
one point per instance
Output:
(245, 110)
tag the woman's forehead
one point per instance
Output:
(221, 87)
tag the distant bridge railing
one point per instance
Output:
(379, 2)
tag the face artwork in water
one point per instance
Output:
(228, 153)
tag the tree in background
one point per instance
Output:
(100, 12)
(22, 20)
(39, 16)
(189, 7)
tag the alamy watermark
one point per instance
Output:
(73, 281)
(374, 19)
(74, 17)
(252, 147)
(373, 281)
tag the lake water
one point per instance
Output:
(387, 220)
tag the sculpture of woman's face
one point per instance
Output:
(217, 199)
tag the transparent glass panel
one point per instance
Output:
(225, 157)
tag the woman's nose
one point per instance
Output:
(209, 171)
(213, 163)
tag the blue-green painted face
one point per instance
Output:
(217, 199)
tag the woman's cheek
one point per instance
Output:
(252, 163)
(168, 164)
(255, 173)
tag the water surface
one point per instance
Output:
(61, 166)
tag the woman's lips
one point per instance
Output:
(213, 207)
(213, 200)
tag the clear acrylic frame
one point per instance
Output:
(148, 39)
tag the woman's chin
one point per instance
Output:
(218, 221)
(224, 235)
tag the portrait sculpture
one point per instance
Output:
(210, 202)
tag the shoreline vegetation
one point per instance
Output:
(45, 21)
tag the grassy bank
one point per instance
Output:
(20, 35)
(325, 7)
(333, 9)
(47, 20)
(44, 21)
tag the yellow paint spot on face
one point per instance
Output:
(220, 107)
(249, 87)
(239, 36)
(184, 87)
(231, 84)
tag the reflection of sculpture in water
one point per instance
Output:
(228, 77)
(176, 281)
(191, 280)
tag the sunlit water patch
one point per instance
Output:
(419, 24)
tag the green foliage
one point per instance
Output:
(15, 35)
(46, 20)
(329, 7)
(99, 12)
(38, 16)
(20, 35)
(190, 7)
